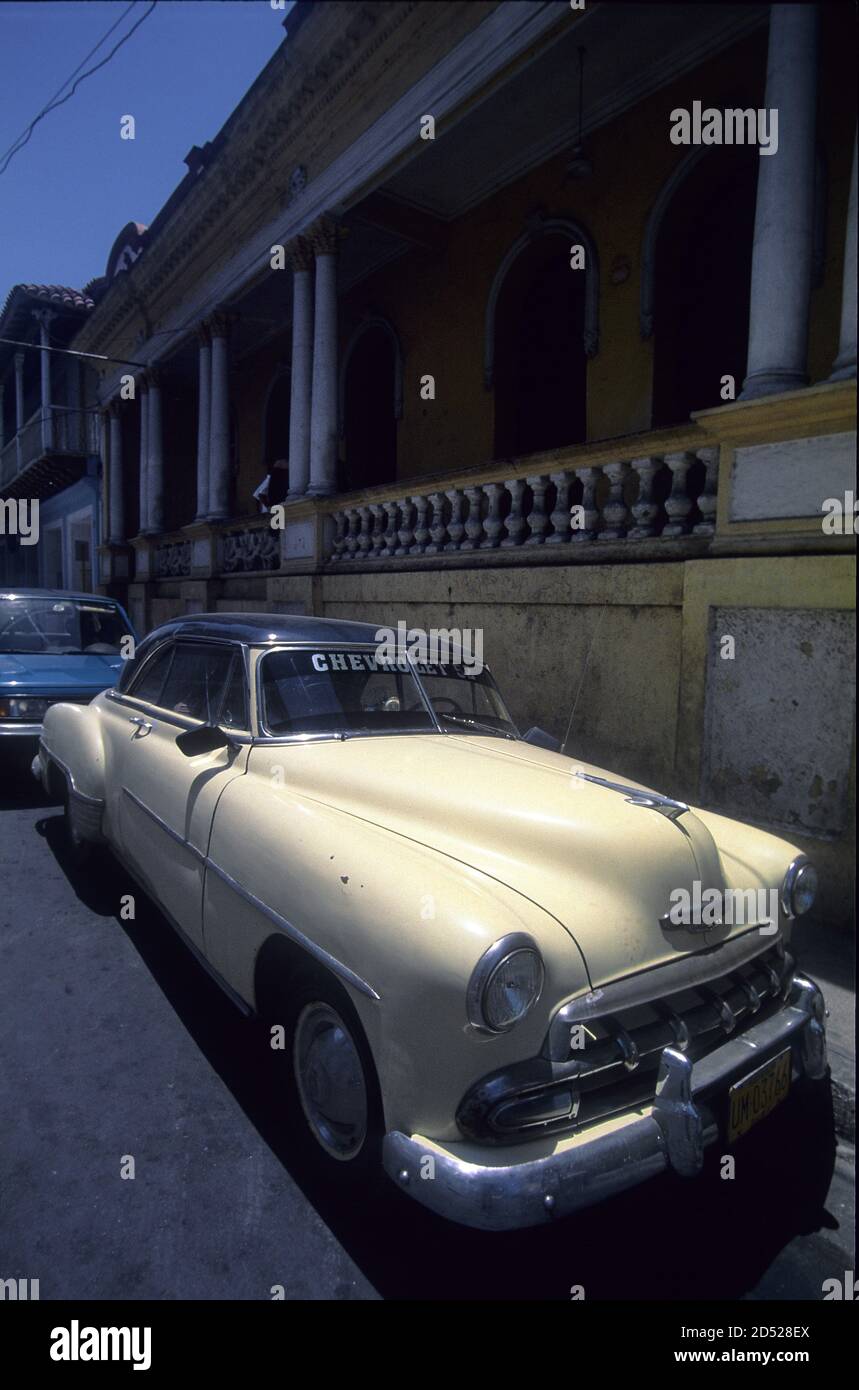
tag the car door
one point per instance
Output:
(165, 800)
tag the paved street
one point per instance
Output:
(114, 1042)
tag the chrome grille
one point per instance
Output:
(597, 1064)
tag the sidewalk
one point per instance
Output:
(829, 958)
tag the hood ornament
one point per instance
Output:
(652, 801)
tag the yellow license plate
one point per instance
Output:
(758, 1095)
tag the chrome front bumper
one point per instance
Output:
(672, 1134)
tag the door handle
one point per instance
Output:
(143, 727)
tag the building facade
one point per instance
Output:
(535, 365)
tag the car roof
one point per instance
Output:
(14, 593)
(267, 629)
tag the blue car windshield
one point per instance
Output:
(60, 627)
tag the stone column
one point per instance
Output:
(116, 496)
(44, 317)
(300, 256)
(219, 427)
(19, 403)
(204, 412)
(104, 450)
(845, 363)
(324, 236)
(143, 396)
(784, 212)
(155, 458)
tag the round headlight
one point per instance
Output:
(506, 983)
(799, 889)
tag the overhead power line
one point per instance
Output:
(56, 100)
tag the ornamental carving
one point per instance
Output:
(173, 561)
(254, 548)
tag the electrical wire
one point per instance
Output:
(53, 104)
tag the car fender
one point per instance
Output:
(72, 748)
(402, 926)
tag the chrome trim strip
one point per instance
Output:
(318, 952)
(162, 824)
(652, 801)
(21, 729)
(232, 995)
(67, 773)
(311, 947)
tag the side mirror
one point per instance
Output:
(203, 740)
(541, 739)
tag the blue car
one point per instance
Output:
(55, 645)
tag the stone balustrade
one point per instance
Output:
(625, 501)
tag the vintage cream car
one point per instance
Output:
(465, 935)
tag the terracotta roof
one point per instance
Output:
(59, 294)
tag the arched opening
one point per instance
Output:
(702, 279)
(540, 366)
(369, 411)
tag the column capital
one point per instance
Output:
(114, 408)
(44, 316)
(218, 322)
(325, 235)
(299, 254)
(19, 359)
(153, 377)
(204, 333)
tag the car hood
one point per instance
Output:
(605, 869)
(40, 673)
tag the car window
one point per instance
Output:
(196, 680)
(147, 683)
(234, 710)
(340, 691)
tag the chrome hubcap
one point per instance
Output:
(330, 1081)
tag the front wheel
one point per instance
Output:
(331, 1080)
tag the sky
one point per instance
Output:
(67, 194)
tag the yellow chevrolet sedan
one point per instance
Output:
(517, 983)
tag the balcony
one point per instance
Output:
(48, 451)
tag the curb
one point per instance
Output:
(844, 1110)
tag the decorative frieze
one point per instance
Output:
(250, 549)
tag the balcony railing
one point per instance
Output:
(57, 429)
(624, 500)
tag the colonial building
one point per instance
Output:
(452, 262)
(49, 450)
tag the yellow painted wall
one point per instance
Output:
(437, 302)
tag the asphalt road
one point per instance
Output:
(114, 1043)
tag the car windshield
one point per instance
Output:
(359, 692)
(61, 627)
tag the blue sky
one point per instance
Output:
(66, 195)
